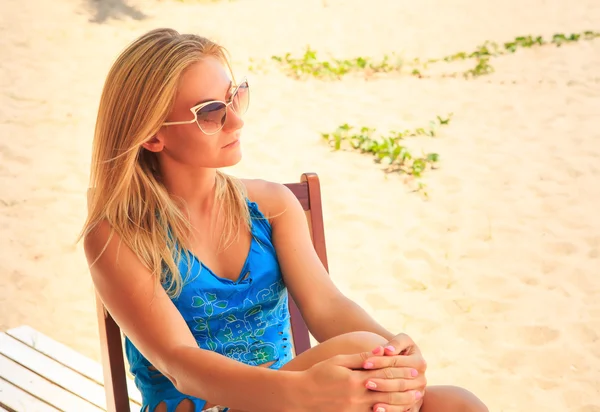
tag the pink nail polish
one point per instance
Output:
(376, 350)
(418, 395)
(380, 409)
(414, 373)
(368, 365)
(391, 348)
(371, 385)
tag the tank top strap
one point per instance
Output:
(260, 224)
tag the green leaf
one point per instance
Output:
(197, 302)
(221, 304)
(254, 310)
(201, 324)
(433, 157)
(211, 297)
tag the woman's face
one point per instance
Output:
(210, 145)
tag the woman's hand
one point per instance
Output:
(340, 384)
(404, 349)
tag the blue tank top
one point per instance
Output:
(247, 320)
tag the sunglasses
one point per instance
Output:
(211, 116)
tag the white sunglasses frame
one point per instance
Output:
(196, 108)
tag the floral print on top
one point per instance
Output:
(247, 320)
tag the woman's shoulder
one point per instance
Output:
(271, 198)
(96, 238)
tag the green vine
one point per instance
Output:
(310, 65)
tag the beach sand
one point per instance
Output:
(495, 275)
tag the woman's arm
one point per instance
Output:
(326, 311)
(154, 325)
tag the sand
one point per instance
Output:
(494, 276)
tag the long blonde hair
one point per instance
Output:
(138, 94)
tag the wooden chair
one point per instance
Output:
(308, 192)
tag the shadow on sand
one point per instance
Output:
(113, 9)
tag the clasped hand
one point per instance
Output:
(398, 370)
(388, 379)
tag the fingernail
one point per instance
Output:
(376, 350)
(371, 385)
(380, 409)
(390, 348)
(418, 395)
(414, 373)
(368, 365)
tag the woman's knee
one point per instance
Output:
(346, 344)
(471, 402)
(354, 342)
(451, 399)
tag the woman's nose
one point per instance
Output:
(233, 120)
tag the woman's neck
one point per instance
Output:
(195, 186)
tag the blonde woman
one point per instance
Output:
(195, 265)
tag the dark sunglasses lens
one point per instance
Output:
(211, 117)
(241, 100)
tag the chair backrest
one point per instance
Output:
(308, 192)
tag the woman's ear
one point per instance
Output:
(154, 144)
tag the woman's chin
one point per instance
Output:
(232, 158)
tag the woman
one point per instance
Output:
(195, 265)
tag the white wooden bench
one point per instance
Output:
(40, 374)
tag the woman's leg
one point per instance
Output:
(347, 344)
(450, 399)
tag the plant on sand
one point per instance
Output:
(389, 149)
(310, 65)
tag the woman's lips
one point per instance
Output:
(232, 144)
